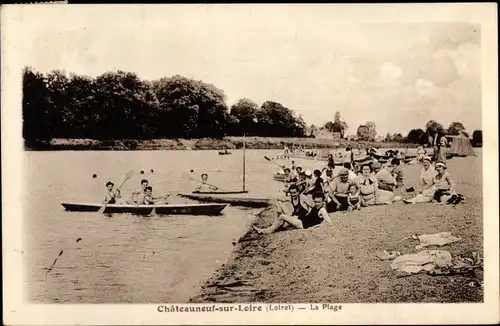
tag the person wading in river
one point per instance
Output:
(303, 216)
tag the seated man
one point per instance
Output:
(304, 215)
(397, 173)
(352, 175)
(339, 190)
(385, 180)
(148, 199)
(138, 195)
(204, 187)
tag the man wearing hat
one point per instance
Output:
(385, 180)
(339, 190)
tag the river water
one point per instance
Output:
(124, 258)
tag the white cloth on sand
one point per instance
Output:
(426, 260)
(436, 239)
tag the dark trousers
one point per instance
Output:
(332, 206)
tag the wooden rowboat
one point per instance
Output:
(180, 209)
(225, 153)
(233, 200)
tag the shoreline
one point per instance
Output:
(338, 263)
(272, 268)
(229, 143)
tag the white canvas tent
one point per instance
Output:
(460, 146)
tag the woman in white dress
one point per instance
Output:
(426, 188)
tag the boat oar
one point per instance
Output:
(267, 158)
(127, 176)
(208, 184)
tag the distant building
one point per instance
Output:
(324, 134)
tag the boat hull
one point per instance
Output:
(220, 192)
(181, 209)
(234, 201)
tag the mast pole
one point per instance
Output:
(244, 148)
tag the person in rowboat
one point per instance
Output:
(138, 195)
(303, 216)
(112, 195)
(204, 187)
(148, 199)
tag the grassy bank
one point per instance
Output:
(201, 144)
(338, 263)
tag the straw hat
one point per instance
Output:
(308, 173)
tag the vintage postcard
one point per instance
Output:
(250, 164)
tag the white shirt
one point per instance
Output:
(347, 157)
(352, 176)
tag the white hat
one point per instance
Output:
(308, 173)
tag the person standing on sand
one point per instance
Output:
(331, 161)
(303, 216)
(441, 155)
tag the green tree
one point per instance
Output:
(432, 127)
(276, 120)
(363, 132)
(125, 106)
(477, 138)
(416, 136)
(245, 111)
(398, 138)
(36, 118)
(455, 128)
(190, 109)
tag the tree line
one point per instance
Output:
(119, 105)
(420, 136)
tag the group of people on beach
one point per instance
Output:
(313, 195)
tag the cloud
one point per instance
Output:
(390, 73)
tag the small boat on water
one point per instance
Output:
(179, 209)
(233, 200)
(225, 153)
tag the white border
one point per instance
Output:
(16, 311)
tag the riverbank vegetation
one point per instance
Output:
(205, 144)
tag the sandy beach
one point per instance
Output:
(338, 263)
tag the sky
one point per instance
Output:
(397, 74)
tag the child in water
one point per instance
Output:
(353, 198)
